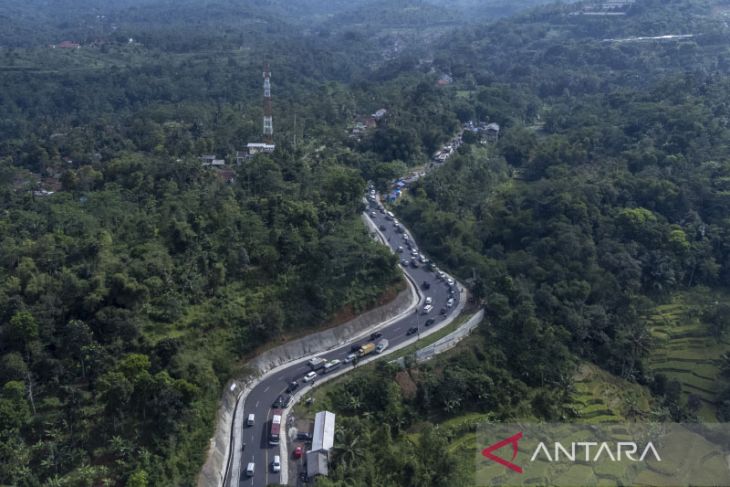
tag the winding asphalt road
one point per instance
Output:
(260, 399)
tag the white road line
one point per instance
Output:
(267, 388)
(257, 404)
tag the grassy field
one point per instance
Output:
(685, 350)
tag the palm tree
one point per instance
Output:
(451, 405)
(354, 403)
(347, 449)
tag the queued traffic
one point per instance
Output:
(261, 461)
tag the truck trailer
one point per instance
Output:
(366, 349)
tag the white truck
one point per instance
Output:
(316, 363)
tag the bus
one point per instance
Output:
(275, 426)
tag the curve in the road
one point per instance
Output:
(261, 396)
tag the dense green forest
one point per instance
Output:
(604, 198)
(130, 295)
(133, 292)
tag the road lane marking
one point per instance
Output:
(257, 404)
(267, 388)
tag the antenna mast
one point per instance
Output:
(268, 115)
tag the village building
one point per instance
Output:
(323, 439)
(260, 148)
(491, 132)
(210, 160)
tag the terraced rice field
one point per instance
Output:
(600, 397)
(684, 350)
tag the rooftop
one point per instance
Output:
(323, 437)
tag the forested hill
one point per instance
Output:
(605, 195)
(558, 50)
(594, 231)
(133, 281)
(94, 20)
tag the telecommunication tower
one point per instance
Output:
(268, 116)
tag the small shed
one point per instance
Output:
(492, 131)
(317, 463)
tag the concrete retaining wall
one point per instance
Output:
(218, 453)
(451, 340)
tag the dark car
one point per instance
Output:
(404, 262)
(382, 228)
(443, 311)
(376, 335)
(426, 285)
(293, 386)
(354, 347)
(430, 322)
(303, 436)
(412, 330)
(414, 264)
(282, 401)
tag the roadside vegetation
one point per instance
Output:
(134, 282)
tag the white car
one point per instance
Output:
(427, 309)
(450, 281)
(450, 303)
(429, 300)
(310, 376)
(276, 464)
(350, 358)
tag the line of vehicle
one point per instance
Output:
(264, 389)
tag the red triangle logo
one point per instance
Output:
(512, 440)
